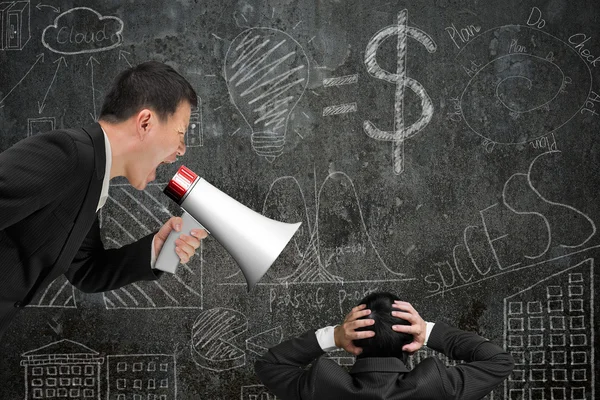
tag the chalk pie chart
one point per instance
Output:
(524, 83)
(212, 334)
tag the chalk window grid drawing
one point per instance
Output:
(143, 377)
(548, 339)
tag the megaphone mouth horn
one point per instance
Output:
(253, 240)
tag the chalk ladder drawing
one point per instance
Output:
(130, 215)
(549, 330)
(315, 255)
(517, 91)
(267, 72)
(62, 369)
(401, 80)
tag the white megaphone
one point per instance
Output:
(253, 240)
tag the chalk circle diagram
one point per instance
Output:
(266, 71)
(525, 83)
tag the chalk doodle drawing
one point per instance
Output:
(62, 369)
(129, 215)
(40, 125)
(59, 294)
(262, 342)
(15, 24)
(549, 330)
(400, 132)
(524, 83)
(256, 392)
(317, 254)
(212, 336)
(267, 72)
(83, 30)
(525, 216)
(141, 376)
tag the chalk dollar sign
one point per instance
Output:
(400, 132)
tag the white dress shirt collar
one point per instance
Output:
(106, 181)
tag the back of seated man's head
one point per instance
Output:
(386, 342)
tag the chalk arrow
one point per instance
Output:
(39, 57)
(40, 5)
(122, 55)
(90, 63)
(43, 104)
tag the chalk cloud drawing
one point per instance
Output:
(130, 214)
(400, 132)
(322, 251)
(267, 72)
(83, 30)
(62, 369)
(518, 91)
(142, 376)
(549, 330)
(15, 24)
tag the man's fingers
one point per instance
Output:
(404, 305)
(361, 335)
(357, 314)
(411, 347)
(359, 323)
(405, 316)
(410, 329)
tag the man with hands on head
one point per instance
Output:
(52, 186)
(382, 332)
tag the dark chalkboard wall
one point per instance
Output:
(443, 150)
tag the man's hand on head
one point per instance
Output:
(417, 327)
(344, 334)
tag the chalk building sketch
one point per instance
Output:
(130, 214)
(549, 330)
(267, 72)
(523, 83)
(256, 392)
(63, 369)
(212, 344)
(15, 29)
(317, 255)
(400, 132)
(141, 377)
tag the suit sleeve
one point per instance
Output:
(281, 369)
(34, 173)
(487, 365)
(96, 269)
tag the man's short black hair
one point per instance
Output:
(386, 342)
(151, 85)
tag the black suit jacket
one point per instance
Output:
(281, 370)
(50, 186)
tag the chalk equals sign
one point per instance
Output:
(340, 108)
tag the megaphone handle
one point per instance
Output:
(167, 259)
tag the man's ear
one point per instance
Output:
(143, 122)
